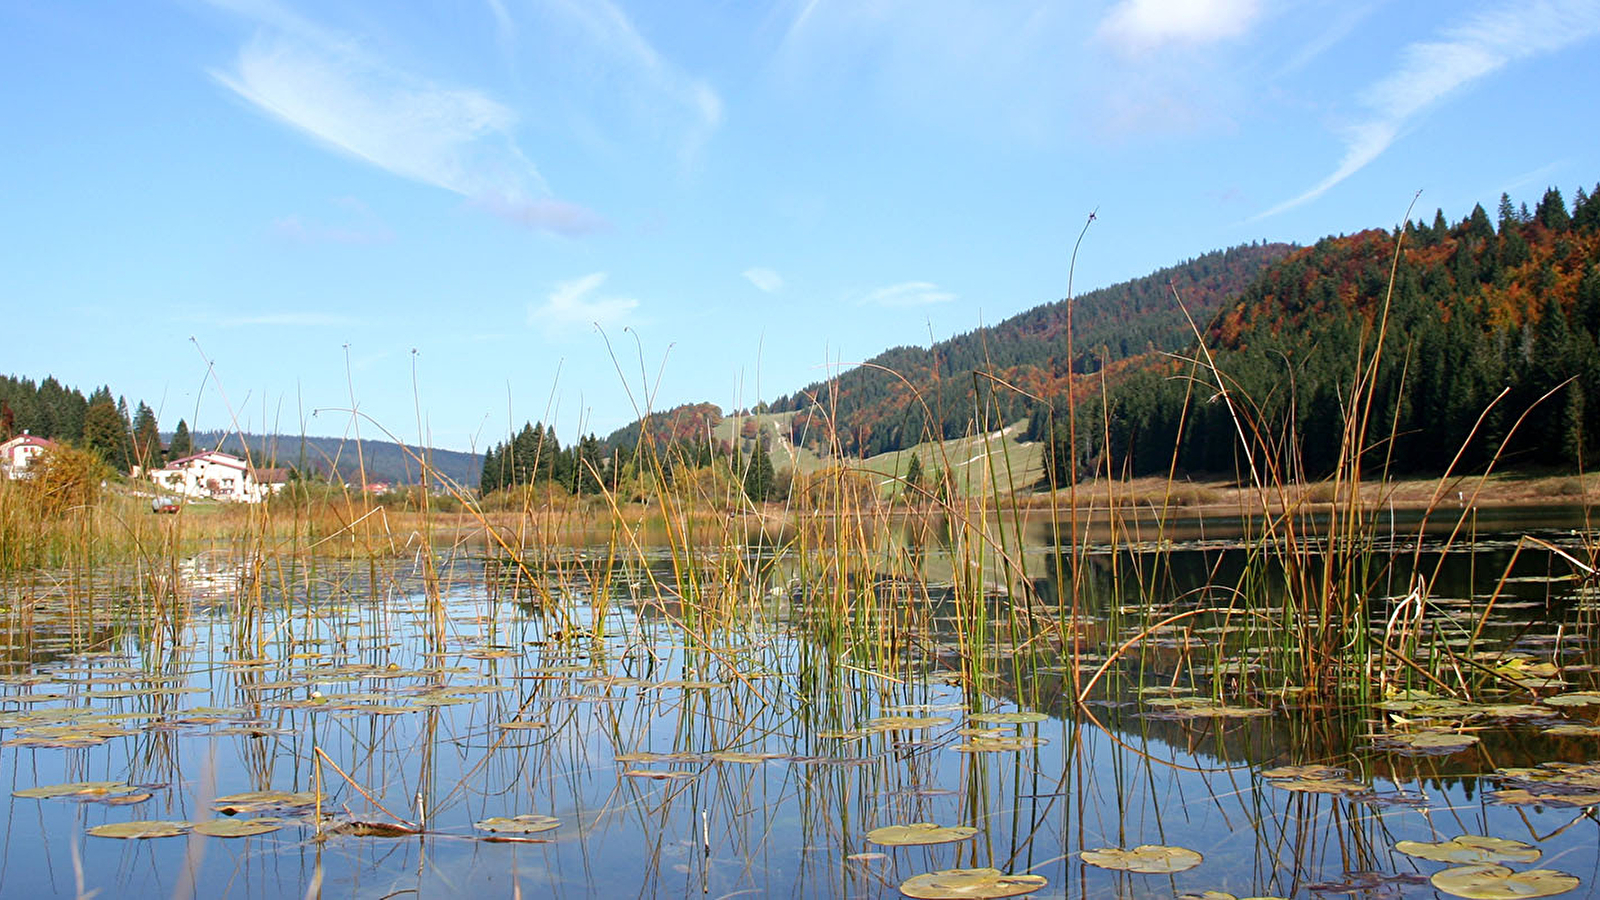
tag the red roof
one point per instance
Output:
(28, 440)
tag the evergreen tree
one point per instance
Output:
(146, 438)
(758, 475)
(104, 431)
(1507, 213)
(1552, 211)
(1478, 226)
(182, 444)
(913, 475)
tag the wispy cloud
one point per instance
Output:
(333, 91)
(765, 279)
(593, 55)
(908, 293)
(575, 304)
(1431, 71)
(1139, 26)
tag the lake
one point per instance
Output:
(739, 722)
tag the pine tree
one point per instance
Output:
(1552, 211)
(758, 475)
(146, 438)
(104, 432)
(913, 475)
(182, 444)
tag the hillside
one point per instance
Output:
(876, 405)
(382, 460)
(1478, 308)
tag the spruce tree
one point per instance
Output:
(182, 444)
(146, 438)
(913, 474)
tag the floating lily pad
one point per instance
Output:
(1220, 895)
(1490, 882)
(919, 833)
(83, 789)
(140, 828)
(236, 828)
(259, 801)
(373, 829)
(970, 883)
(1574, 698)
(1148, 859)
(1471, 848)
(1427, 742)
(524, 824)
(905, 723)
(990, 742)
(1008, 718)
(660, 774)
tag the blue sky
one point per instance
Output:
(433, 205)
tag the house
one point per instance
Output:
(219, 476)
(20, 453)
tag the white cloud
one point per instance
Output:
(593, 54)
(908, 293)
(453, 138)
(1136, 26)
(572, 304)
(1431, 71)
(765, 279)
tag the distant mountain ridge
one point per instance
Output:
(382, 460)
(885, 404)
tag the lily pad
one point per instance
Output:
(919, 833)
(86, 789)
(1008, 718)
(1471, 848)
(524, 824)
(236, 828)
(259, 801)
(970, 883)
(140, 828)
(1148, 859)
(1500, 883)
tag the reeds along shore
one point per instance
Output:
(1306, 607)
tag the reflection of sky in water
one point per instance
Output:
(783, 827)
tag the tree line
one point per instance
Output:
(1491, 349)
(100, 423)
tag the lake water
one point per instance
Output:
(745, 746)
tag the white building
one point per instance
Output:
(19, 454)
(219, 476)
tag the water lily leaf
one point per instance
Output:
(1220, 895)
(258, 801)
(905, 723)
(1426, 743)
(1471, 848)
(75, 789)
(970, 883)
(995, 743)
(236, 828)
(734, 756)
(1525, 797)
(1573, 730)
(140, 828)
(919, 833)
(522, 725)
(524, 824)
(1008, 718)
(661, 774)
(1500, 883)
(1574, 698)
(1149, 859)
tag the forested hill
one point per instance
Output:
(383, 461)
(1479, 307)
(877, 410)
